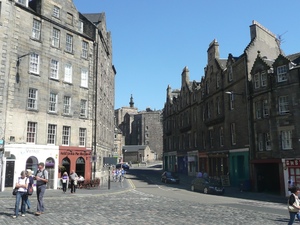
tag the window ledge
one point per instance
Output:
(52, 113)
(66, 115)
(32, 110)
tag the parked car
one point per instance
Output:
(125, 166)
(170, 177)
(207, 186)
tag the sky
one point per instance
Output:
(153, 40)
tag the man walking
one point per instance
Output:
(41, 178)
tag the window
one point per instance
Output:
(55, 37)
(258, 110)
(265, 108)
(218, 106)
(218, 80)
(211, 138)
(31, 132)
(85, 46)
(68, 73)
(54, 69)
(283, 104)
(67, 105)
(268, 141)
(286, 139)
(231, 101)
(80, 26)
(221, 136)
(83, 108)
(82, 136)
(69, 19)
(36, 29)
(52, 102)
(203, 140)
(69, 43)
(281, 73)
(208, 110)
(66, 135)
(34, 63)
(195, 139)
(256, 81)
(32, 99)
(56, 11)
(51, 134)
(233, 134)
(23, 2)
(263, 79)
(84, 78)
(260, 142)
(230, 75)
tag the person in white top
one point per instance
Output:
(22, 185)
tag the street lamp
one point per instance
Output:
(18, 65)
(233, 93)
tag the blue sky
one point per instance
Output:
(153, 40)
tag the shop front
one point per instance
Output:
(77, 159)
(18, 157)
(291, 174)
(192, 163)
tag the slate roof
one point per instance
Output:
(95, 18)
(134, 148)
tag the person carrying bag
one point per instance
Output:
(294, 204)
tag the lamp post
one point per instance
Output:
(18, 65)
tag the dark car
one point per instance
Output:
(207, 186)
(125, 166)
(170, 177)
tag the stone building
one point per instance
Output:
(141, 127)
(275, 99)
(206, 123)
(52, 76)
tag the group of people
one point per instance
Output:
(74, 180)
(118, 174)
(202, 174)
(25, 181)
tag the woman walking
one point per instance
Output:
(21, 185)
(64, 180)
(294, 204)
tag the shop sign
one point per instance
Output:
(293, 162)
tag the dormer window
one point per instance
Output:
(281, 73)
(56, 11)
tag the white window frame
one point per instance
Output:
(265, 108)
(82, 137)
(54, 69)
(23, 2)
(286, 139)
(68, 73)
(55, 37)
(85, 47)
(66, 134)
(258, 109)
(56, 11)
(231, 101)
(51, 137)
(218, 80)
(83, 108)
(52, 102)
(69, 43)
(67, 105)
(84, 77)
(256, 81)
(80, 26)
(34, 63)
(282, 73)
(283, 102)
(31, 132)
(233, 134)
(32, 98)
(36, 29)
(221, 137)
(263, 79)
(268, 141)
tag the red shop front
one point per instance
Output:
(293, 167)
(77, 159)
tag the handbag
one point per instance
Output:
(15, 190)
(29, 190)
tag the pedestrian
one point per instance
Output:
(30, 178)
(64, 181)
(73, 178)
(199, 174)
(22, 185)
(41, 178)
(205, 175)
(294, 204)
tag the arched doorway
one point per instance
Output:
(50, 167)
(66, 164)
(10, 169)
(80, 166)
(32, 164)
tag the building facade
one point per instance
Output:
(207, 123)
(48, 78)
